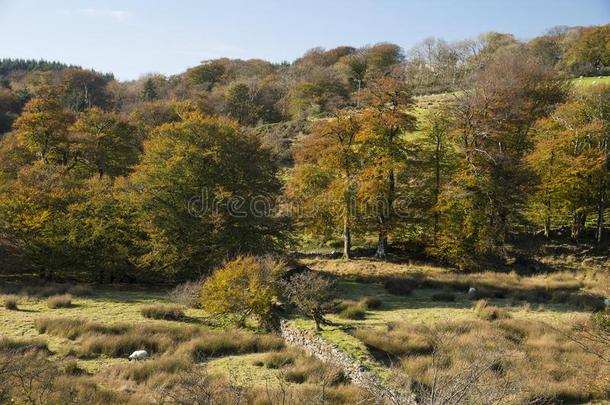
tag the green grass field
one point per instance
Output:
(583, 83)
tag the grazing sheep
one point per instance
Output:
(472, 292)
(607, 302)
(138, 355)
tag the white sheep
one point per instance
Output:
(607, 302)
(472, 292)
(138, 355)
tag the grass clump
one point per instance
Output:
(489, 312)
(395, 341)
(276, 360)
(371, 302)
(350, 309)
(217, 343)
(10, 302)
(143, 371)
(59, 301)
(11, 345)
(72, 328)
(164, 312)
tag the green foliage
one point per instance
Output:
(199, 178)
(589, 53)
(247, 286)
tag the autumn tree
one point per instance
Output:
(571, 160)
(323, 183)
(203, 191)
(245, 287)
(43, 128)
(104, 142)
(384, 120)
(492, 122)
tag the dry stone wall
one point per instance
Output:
(354, 370)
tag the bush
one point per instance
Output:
(312, 294)
(245, 286)
(398, 286)
(165, 312)
(187, 294)
(59, 301)
(488, 312)
(443, 296)
(10, 302)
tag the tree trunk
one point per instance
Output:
(578, 224)
(601, 202)
(347, 238)
(437, 186)
(384, 216)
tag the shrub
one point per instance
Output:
(443, 296)
(245, 286)
(59, 301)
(311, 293)
(160, 311)
(398, 286)
(187, 294)
(488, 312)
(10, 302)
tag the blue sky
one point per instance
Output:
(130, 38)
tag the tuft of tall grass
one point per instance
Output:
(223, 343)
(59, 301)
(12, 345)
(73, 328)
(164, 312)
(10, 302)
(489, 312)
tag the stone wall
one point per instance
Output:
(355, 371)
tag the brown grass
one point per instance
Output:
(161, 311)
(223, 343)
(10, 302)
(539, 363)
(489, 312)
(59, 301)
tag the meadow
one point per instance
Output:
(411, 319)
